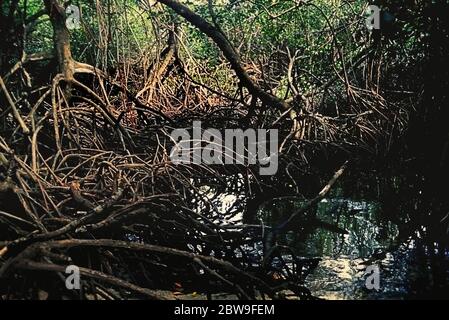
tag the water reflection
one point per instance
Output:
(408, 269)
(367, 234)
(348, 236)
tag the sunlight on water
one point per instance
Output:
(370, 239)
(405, 268)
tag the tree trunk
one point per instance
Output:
(61, 38)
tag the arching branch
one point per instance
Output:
(228, 51)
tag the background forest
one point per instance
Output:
(86, 110)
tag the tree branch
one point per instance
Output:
(228, 51)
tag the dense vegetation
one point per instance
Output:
(86, 113)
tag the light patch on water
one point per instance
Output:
(226, 201)
(335, 279)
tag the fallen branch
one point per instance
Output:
(285, 225)
(152, 294)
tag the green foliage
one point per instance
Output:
(324, 34)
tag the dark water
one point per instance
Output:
(408, 268)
